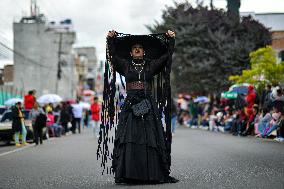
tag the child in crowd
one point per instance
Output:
(273, 124)
(52, 125)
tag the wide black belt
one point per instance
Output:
(138, 85)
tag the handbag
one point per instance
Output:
(141, 108)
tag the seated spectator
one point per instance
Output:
(205, 120)
(239, 124)
(252, 120)
(52, 126)
(228, 119)
(220, 122)
(264, 119)
(280, 129)
(212, 121)
(273, 124)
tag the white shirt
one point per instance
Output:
(77, 110)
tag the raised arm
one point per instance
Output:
(158, 64)
(119, 64)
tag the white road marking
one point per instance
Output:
(21, 148)
(16, 150)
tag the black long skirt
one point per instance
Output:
(139, 147)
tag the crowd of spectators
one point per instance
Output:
(56, 119)
(260, 115)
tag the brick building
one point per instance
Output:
(275, 22)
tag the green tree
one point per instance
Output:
(211, 45)
(264, 69)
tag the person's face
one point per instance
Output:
(137, 51)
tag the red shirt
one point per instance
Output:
(250, 97)
(95, 109)
(29, 101)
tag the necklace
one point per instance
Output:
(140, 63)
(139, 68)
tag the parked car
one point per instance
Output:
(6, 132)
(3, 109)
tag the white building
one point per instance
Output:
(40, 50)
(90, 57)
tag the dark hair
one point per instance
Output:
(279, 91)
(134, 44)
(265, 110)
(31, 92)
(95, 98)
(256, 108)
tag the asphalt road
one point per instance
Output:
(201, 159)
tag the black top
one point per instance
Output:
(151, 67)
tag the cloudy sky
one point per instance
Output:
(93, 18)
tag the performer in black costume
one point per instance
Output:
(141, 147)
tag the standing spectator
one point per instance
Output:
(265, 97)
(277, 95)
(251, 96)
(95, 109)
(38, 117)
(29, 100)
(193, 112)
(18, 124)
(56, 113)
(173, 116)
(78, 113)
(86, 116)
(65, 117)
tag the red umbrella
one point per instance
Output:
(88, 92)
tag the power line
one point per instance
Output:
(23, 56)
(30, 61)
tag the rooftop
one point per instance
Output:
(273, 21)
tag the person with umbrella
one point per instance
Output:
(141, 154)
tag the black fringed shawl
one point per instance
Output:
(109, 116)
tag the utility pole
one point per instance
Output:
(59, 70)
(211, 4)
